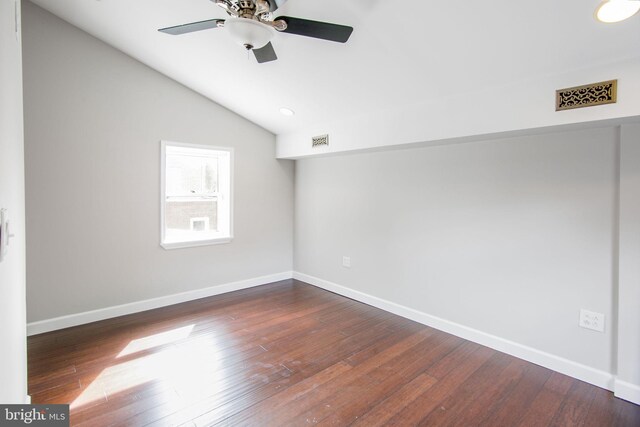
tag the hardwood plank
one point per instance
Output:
(576, 405)
(380, 414)
(289, 354)
(546, 404)
(516, 402)
(414, 412)
(627, 415)
(275, 401)
(344, 407)
(475, 392)
(246, 390)
(307, 369)
(292, 410)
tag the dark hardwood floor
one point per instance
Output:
(292, 354)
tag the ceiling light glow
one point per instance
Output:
(610, 11)
(287, 112)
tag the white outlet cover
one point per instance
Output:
(591, 320)
(346, 261)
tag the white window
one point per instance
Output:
(195, 195)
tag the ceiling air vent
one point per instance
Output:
(317, 141)
(587, 95)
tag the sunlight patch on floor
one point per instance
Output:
(188, 368)
(156, 340)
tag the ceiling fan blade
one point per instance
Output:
(194, 26)
(265, 53)
(318, 30)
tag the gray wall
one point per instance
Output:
(628, 338)
(510, 237)
(94, 118)
(13, 356)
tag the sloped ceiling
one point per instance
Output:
(400, 53)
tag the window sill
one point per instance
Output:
(195, 243)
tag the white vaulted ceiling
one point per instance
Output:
(400, 53)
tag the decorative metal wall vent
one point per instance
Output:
(317, 141)
(587, 95)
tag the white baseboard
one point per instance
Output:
(27, 400)
(573, 369)
(627, 391)
(138, 306)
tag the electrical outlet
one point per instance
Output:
(591, 320)
(346, 261)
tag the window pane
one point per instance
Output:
(188, 214)
(187, 174)
(211, 176)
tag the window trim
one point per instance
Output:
(163, 175)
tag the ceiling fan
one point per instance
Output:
(253, 26)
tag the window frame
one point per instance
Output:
(163, 196)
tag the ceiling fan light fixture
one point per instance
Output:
(249, 33)
(610, 11)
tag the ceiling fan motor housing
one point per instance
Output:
(233, 7)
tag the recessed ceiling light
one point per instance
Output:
(287, 112)
(611, 11)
